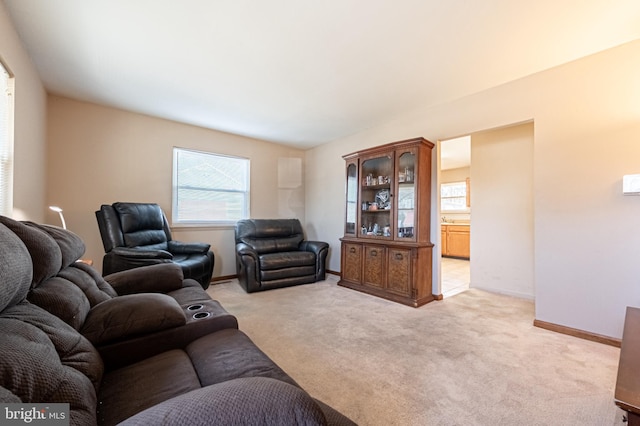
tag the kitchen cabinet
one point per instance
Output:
(386, 249)
(456, 240)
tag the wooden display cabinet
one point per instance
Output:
(386, 250)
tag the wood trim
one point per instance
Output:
(215, 280)
(578, 333)
(223, 278)
(468, 182)
(438, 296)
(329, 271)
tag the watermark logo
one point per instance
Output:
(34, 414)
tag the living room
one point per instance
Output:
(586, 120)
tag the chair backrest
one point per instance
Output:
(46, 359)
(133, 225)
(66, 288)
(270, 235)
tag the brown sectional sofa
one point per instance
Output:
(142, 346)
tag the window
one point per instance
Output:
(6, 141)
(209, 188)
(453, 196)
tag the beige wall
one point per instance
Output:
(502, 200)
(29, 126)
(101, 155)
(587, 126)
(454, 175)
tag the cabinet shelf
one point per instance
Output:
(395, 261)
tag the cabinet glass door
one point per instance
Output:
(352, 200)
(406, 196)
(375, 197)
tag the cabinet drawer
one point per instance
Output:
(374, 258)
(399, 278)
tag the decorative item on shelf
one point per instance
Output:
(401, 177)
(406, 232)
(59, 211)
(370, 180)
(408, 174)
(383, 199)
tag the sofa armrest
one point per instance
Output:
(126, 316)
(245, 401)
(244, 249)
(187, 248)
(135, 253)
(158, 278)
(313, 246)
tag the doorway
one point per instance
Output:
(454, 200)
(502, 202)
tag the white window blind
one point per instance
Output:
(209, 188)
(6, 141)
(453, 196)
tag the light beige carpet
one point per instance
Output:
(472, 359)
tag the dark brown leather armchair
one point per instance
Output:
(272, 253)
(137, 234)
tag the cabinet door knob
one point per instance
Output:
(399, 256)
(374, 252)
(352, 250)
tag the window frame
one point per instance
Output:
(7, 143)
(175, 222)
(463, 197)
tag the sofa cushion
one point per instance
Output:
(43, 249)
(45, 360)
(190, 293)
(142, 385)
(71, 245)
(71, 294)
(7, 396)
(142, 225)
(287, 259)
(269, 235)
(63, 299)
(247, 401)
(176, 247)
(15, 268)
(131, 315)
(230, 354)
(160, 278)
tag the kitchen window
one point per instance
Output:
(209, 189)
(454, 197)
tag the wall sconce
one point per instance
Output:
(631, 184)
(59, 210)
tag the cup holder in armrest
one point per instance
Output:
(194, 307)
(201, 315)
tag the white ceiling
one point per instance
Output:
(455, 153)
(304, 72)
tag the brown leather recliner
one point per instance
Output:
(137, 234)
(272, 253)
